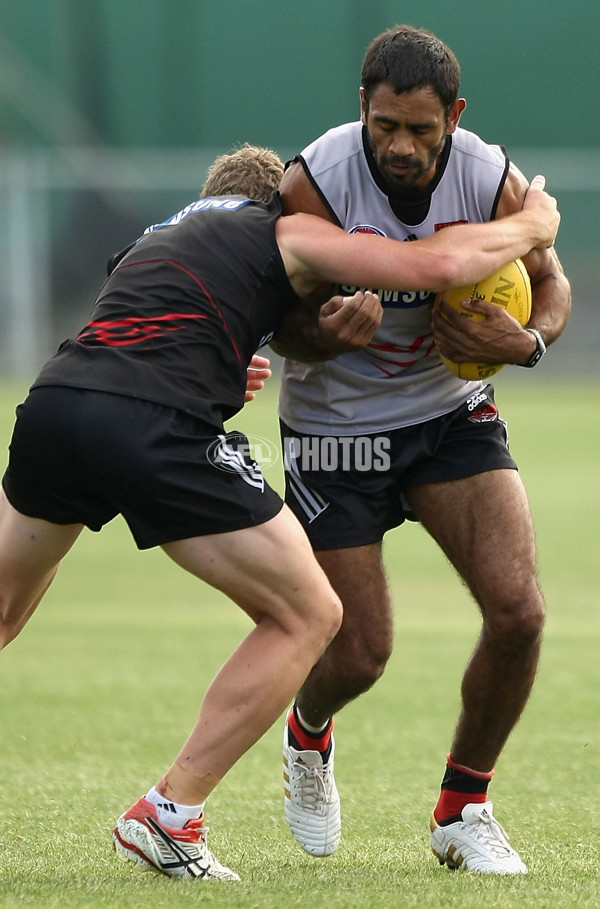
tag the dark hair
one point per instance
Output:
(408, 58)
(250, 171)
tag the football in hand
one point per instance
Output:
(510, 288)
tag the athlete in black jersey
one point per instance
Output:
(128, 418)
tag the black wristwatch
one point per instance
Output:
(538, 353)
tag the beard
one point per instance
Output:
(416, 168)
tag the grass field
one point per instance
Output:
(104, 684)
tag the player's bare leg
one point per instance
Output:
(484, 526)
(271, 573)
(353, 661)
(30, 553)
(357, 656)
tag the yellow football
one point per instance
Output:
(509, 287)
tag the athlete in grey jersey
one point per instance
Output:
(399, 378)
(412, 440)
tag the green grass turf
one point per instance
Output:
(100, 690)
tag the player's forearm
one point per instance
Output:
(551, 306)
(481, 249)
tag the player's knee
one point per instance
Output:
(315, 620)
(518, 621)
(329, 617)
(362, 663)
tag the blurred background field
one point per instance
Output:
(110, 113)
(112, 110)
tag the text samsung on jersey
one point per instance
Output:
(407, 299)
(224, 203)
(400, 299)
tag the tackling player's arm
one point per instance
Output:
(446, 259)
(314, 250)
(314, 329)
(499, 338)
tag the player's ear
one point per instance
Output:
(454, 115)
(364, 105)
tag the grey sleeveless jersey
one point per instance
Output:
(399, 379)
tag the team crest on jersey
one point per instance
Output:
(366, 229)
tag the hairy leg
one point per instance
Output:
(483, 525)
(270, 571)
(30, 553)
(356, 657)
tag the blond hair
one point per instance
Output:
(249, 171)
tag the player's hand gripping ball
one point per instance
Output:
(510, 288)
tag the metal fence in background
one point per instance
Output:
(66, 210)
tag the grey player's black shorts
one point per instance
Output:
(80, 456)
(349, 490)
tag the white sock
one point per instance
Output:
(314, 729)
(172, 813)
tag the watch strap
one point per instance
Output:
(538, 353)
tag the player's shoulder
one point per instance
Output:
(465, 142)
(345, 131)
(337, 144)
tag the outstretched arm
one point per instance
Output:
(451, 258)
(315, 251)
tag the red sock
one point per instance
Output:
(461, 786)
(309, 741)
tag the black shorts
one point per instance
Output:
(81, 456)
(348, 491)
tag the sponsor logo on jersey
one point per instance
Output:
(481, 409)
(396, 299)
(222, 203)
(443, 224)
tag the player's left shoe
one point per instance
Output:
(475, 843)
(138, 837)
